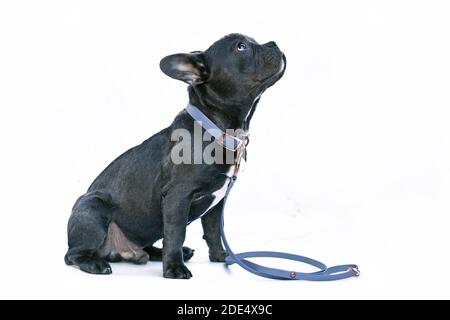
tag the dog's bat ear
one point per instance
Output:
(188, 67)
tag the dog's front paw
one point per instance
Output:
(178, 271)
(217, 256)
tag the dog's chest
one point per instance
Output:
(218, 195)
(204, 202)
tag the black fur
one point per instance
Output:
(145, 194)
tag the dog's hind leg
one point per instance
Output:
(87, 231)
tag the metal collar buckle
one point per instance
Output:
(238, 143)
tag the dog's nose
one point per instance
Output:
(271, 44)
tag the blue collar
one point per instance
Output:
(225, 139)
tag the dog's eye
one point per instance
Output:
(241, 46)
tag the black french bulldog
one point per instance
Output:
(143, 196)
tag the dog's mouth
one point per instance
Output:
(271, 79)
(282, 65)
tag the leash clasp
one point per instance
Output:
(355, 270)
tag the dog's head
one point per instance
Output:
(233, 71)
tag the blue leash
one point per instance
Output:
(324, 273)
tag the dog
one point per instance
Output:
(143, 196)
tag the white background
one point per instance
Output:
(349, 160)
